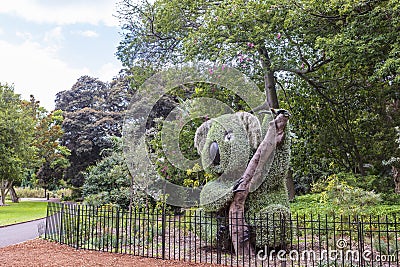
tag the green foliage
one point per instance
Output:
(345, 199)
(108, 227)
(386, 244)
(394, 160)
(337, 64)
(108, 181)
(338, 197)
(52, 156)
(93, 112)
(41, 158)
(16, 136)
(345, 120)
(391, 198)
(270, 199)
(205, 225)
(352, 141)
(308, 211)
(270, 225)
(238, 32)
(164, 167)
(311, 205)
(186, 97)
(377, 183)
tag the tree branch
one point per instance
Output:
(317, 87)
(269, 78)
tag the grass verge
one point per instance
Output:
(21, 212)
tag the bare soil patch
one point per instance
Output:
(39, 252)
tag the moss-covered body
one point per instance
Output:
(238, 136)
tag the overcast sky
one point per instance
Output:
(46, 45)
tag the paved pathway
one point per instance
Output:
(18, 233)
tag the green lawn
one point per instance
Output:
(21, 212)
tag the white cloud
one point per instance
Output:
(24, 35)
(54, 35)
(89, 34)
(35, 70)
(63, 12)
(53, 40)
(34, 65)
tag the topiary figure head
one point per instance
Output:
(225, 145)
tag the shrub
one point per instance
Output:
(66, 192)
(344, 199)
(336, 197)
(391, 198)
(26, 192)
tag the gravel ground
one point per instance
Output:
(39, 252)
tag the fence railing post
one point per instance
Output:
(360, 240)
(117, 230)
(163, 225)
(47, 219)
(61, 224)
(77, 227)
(283, 241)
(220, 235)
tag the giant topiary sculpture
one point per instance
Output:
(255, 188)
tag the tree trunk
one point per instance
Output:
(269, 79)
(396, 178)
(4, 188)
(360, 162)
(240, 232)
(272, 99)
(2, 196)
(290, 185)
(270, 87)
(13, 194)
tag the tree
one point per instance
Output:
(54, 155)
(16, 135)
(87, 92)
(51, 155)
(109, 180)
(248, 35)
(351, 126)
(262, 39)
(175, 31)
(314, 51)
(93, 112)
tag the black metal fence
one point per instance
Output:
(196, 236)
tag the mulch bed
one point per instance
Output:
(39, 252)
